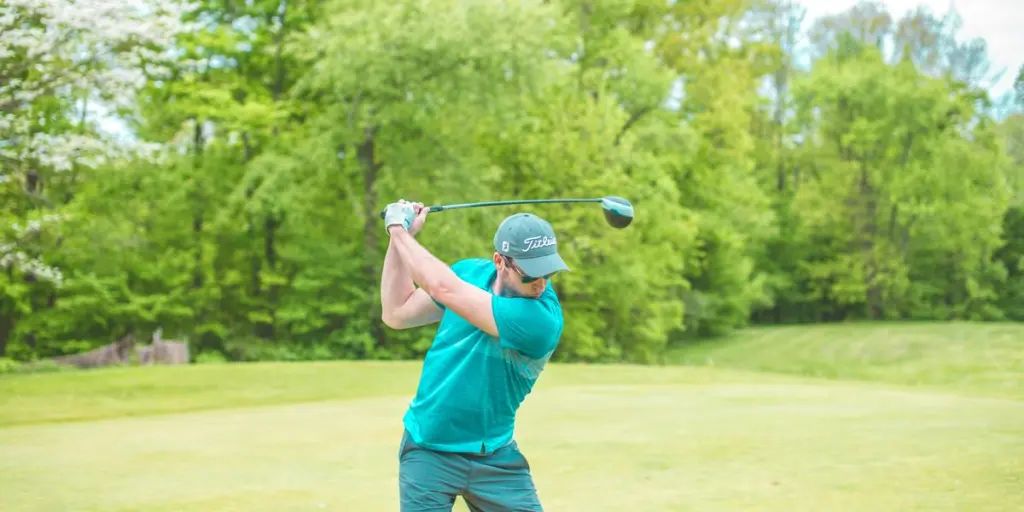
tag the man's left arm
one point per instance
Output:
(443, 284)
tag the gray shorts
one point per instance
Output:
(429, 480)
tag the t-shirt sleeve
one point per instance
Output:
(530, 326)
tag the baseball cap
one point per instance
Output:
(530, 241)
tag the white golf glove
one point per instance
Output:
(399, 213)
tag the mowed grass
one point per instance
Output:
(954, 357)
(324, 436)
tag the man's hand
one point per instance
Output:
(402, 214)
(410, 216)
(421, 218)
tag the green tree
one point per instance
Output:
(62, 65)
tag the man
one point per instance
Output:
(500, 321)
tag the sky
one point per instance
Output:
(999, 22)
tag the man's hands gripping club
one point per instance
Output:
(410, 216)
(408, 263)
(403, 305)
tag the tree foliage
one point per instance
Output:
(853, 170)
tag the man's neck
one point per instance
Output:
(497, 287)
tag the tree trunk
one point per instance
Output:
(868, 242)
(371, 226)
(197, 216)
(781, 79)
(270, 221)
(6, 328)
(270, 226)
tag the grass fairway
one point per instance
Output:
(283, 437)
(954, 357)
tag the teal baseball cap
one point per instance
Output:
(530, 241)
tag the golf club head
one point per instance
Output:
(617, 211)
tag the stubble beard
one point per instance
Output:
(507, 289)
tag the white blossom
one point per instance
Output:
(11, 253)
(102, 48)
(30, 265)
(34, 226)
(100, 52)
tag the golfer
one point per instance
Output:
(500, 321)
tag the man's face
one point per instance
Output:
(512, 278)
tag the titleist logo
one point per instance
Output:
(536, 242)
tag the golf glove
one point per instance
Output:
(399, 213)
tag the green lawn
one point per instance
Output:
(281, 437)
(954, 357)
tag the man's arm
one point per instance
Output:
(402, 305)
(442, 284)
(530, 326)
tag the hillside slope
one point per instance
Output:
(967, 357)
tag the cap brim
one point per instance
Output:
(542, 266)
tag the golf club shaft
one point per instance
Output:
(443, 207)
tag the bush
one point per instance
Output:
(8, 365)
(211, 357)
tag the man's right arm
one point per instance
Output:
(404, 306)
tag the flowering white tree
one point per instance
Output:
(61, 62)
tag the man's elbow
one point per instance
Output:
(392, 320)
(442, 290)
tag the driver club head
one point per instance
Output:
(617, 211)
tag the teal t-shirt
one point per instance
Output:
(472, 384)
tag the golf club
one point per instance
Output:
(618, 212)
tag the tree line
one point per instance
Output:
(215, 169)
